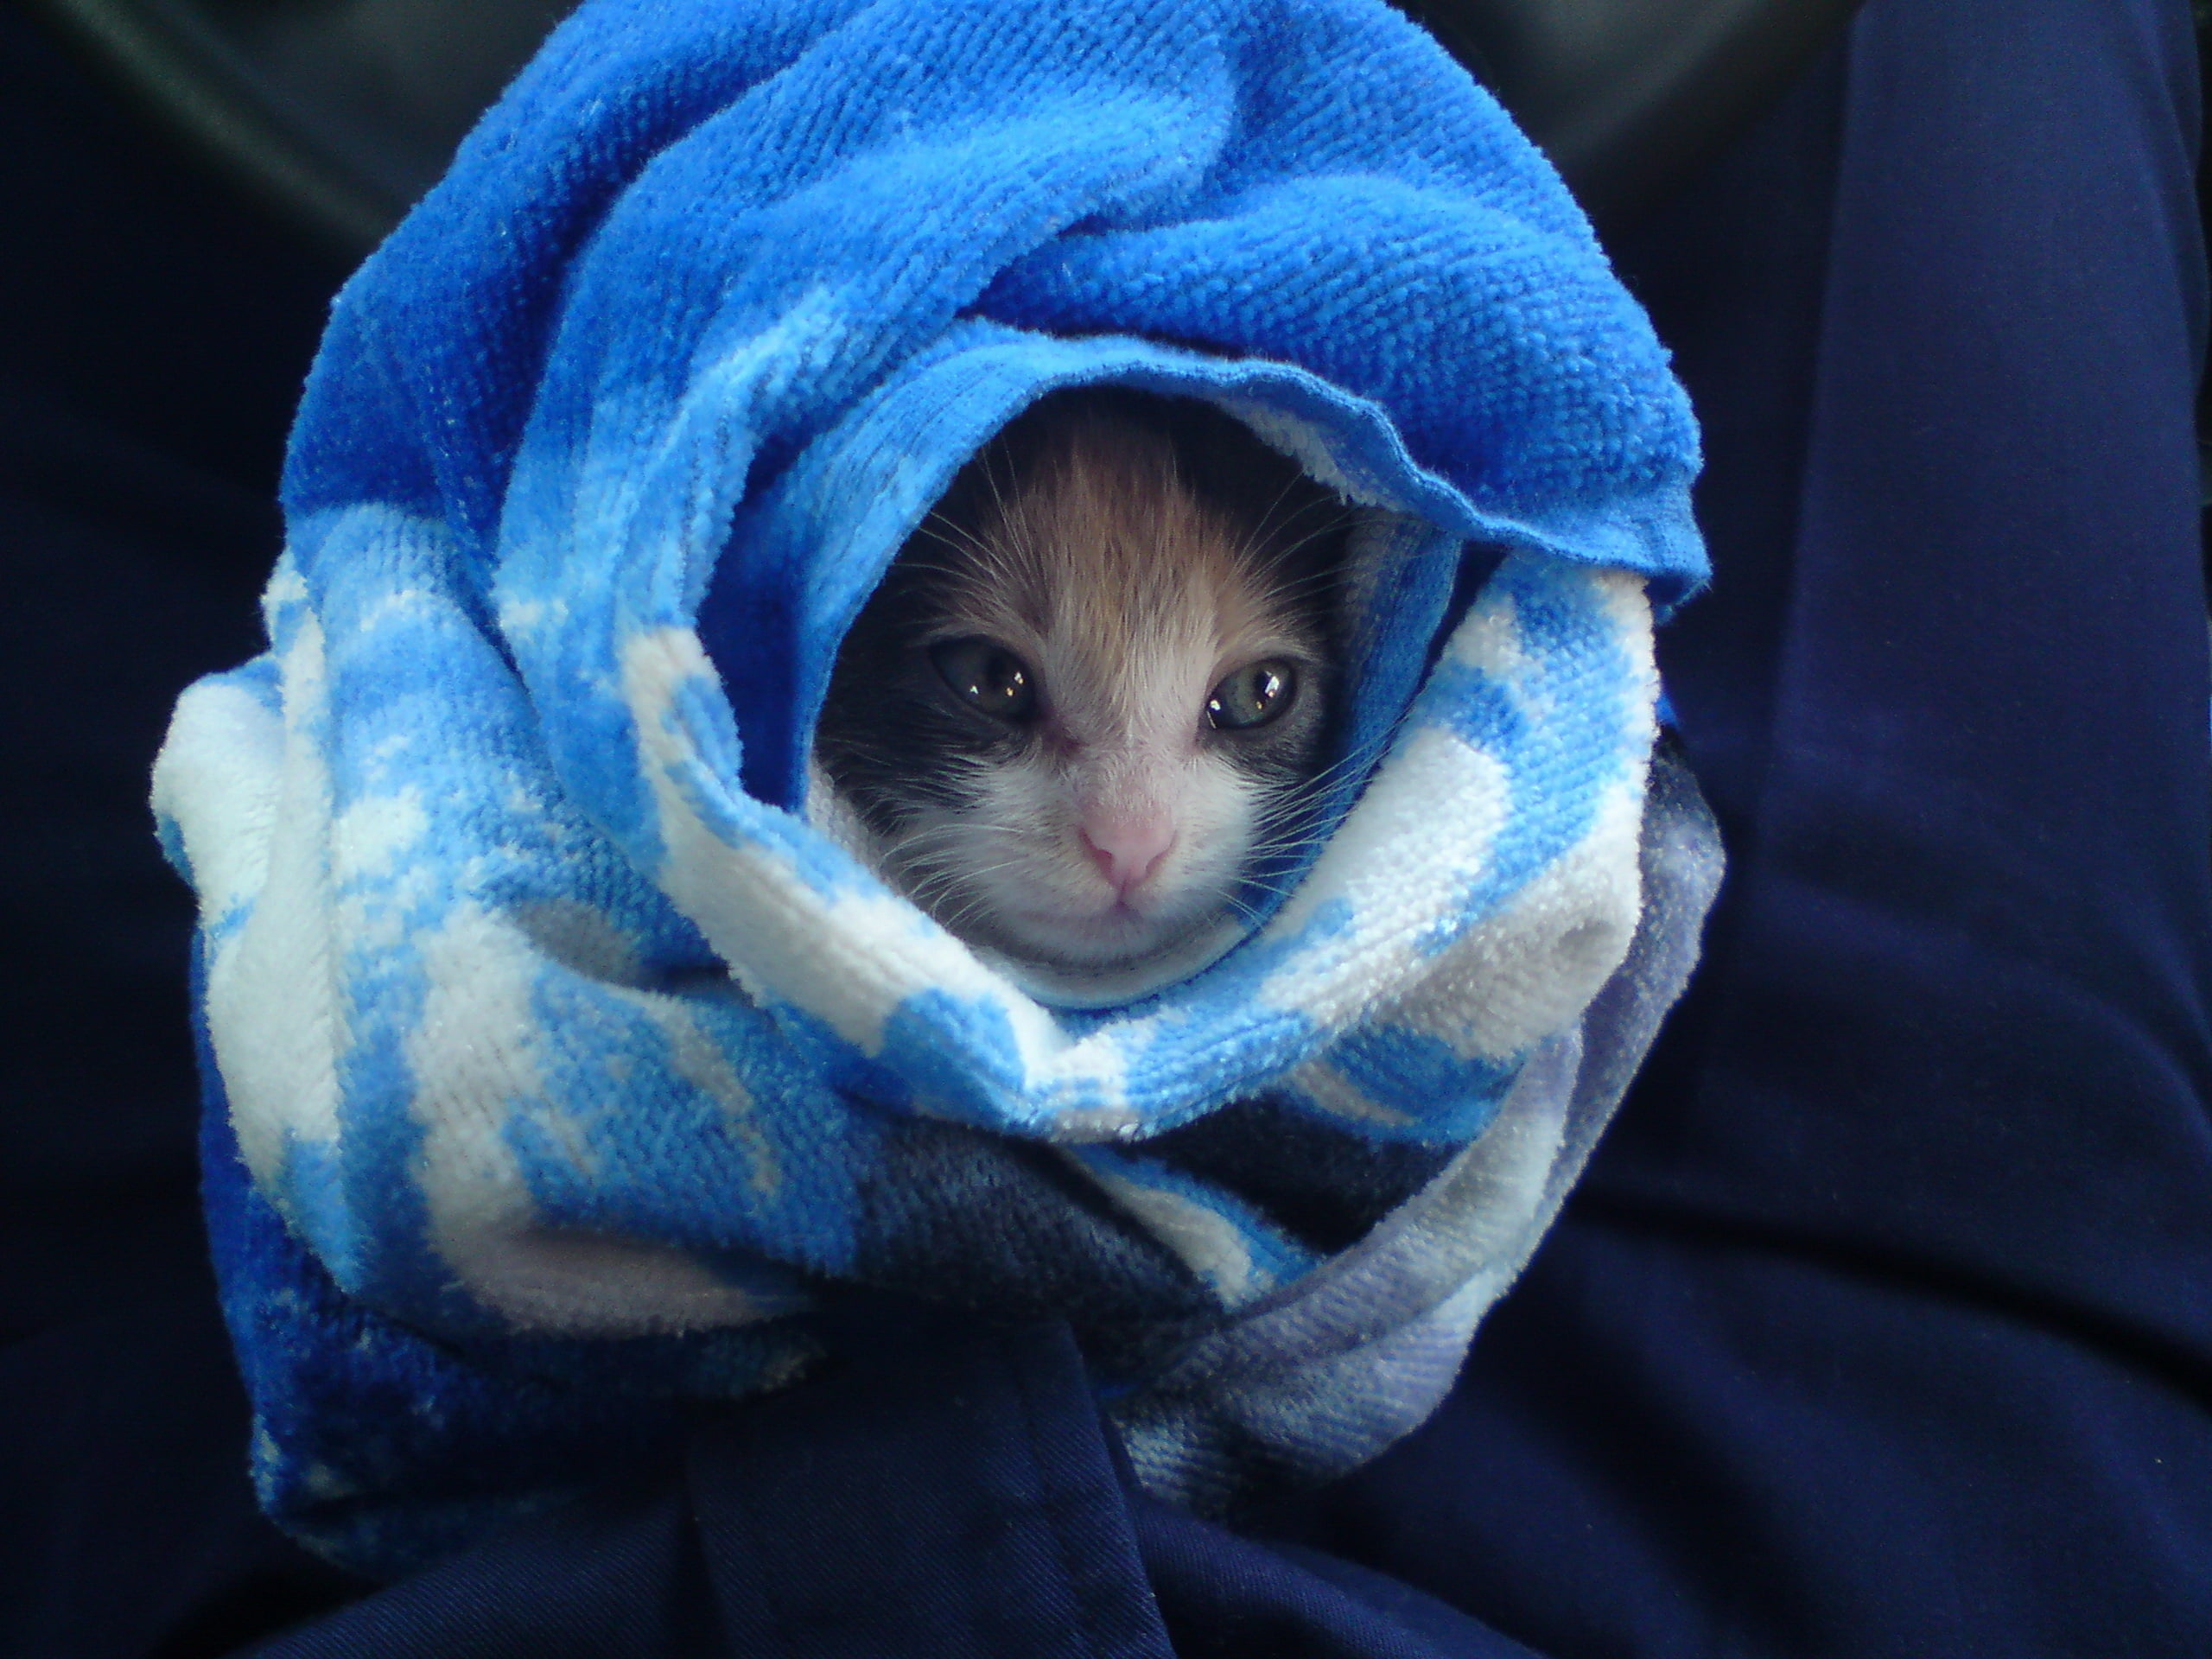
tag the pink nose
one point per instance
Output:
(1128, 850)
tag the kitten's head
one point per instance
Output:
(1092, 690)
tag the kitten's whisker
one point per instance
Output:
(1260, 531)
(1262, 554)
(965, 827)
(949, 533)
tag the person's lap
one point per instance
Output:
(1882, 1323)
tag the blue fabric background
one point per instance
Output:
(1889, 1298)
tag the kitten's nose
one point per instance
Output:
(1128, 850)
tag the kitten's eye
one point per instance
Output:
(1252, 697)
(987, 676)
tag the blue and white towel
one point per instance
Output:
(564, 1073)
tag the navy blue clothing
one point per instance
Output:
(1883, 1322)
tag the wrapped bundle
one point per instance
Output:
(565, 1076)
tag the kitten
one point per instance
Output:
(1091, 694)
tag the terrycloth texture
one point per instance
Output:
(564, 1073)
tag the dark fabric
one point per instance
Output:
(1225, 1597)
(155, 335)
(958, 1504)
(126, 1524)
(1884, 1323)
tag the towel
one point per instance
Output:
(567, 1075)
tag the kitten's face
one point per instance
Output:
(1087, 697)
